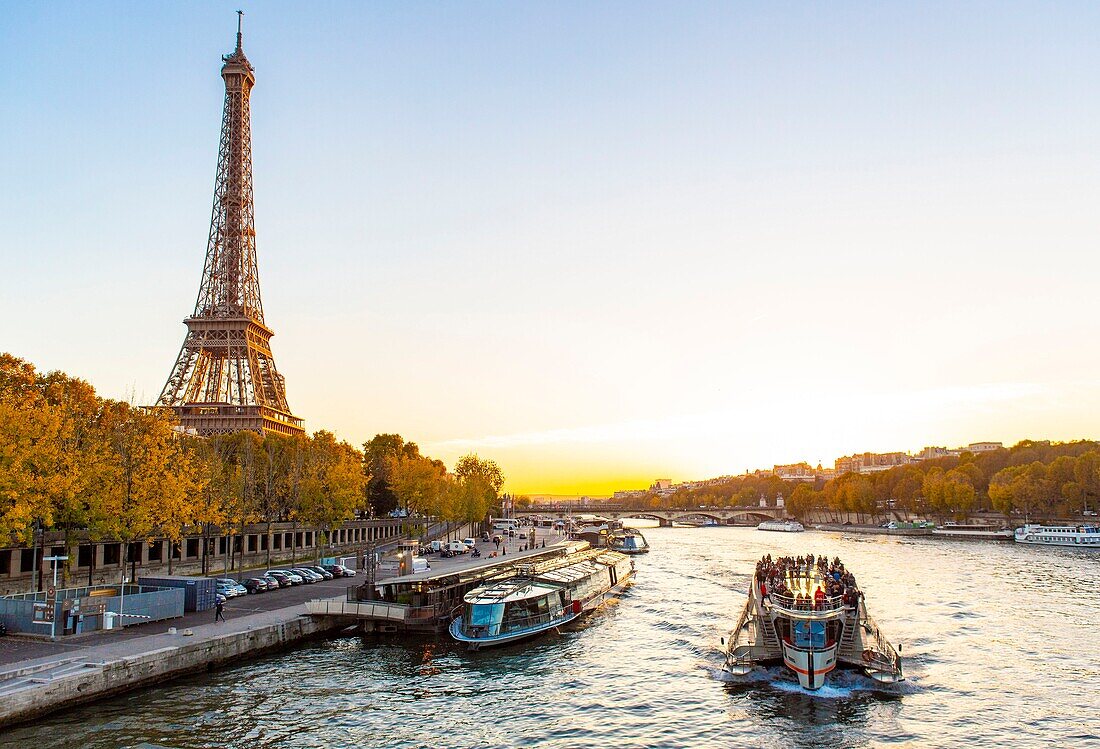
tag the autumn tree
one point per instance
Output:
(333, 484)
(30, 433)
(416, 482)
(378, 454)
(480, 482)
(149, 478)
(803, 500)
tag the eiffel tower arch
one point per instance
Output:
(225, 379)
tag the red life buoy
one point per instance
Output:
(576, 607)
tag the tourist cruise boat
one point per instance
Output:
(810, 632)
(540, 597)
(627, 541)
(1077, 536)
(784, 526)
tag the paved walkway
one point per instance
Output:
(243, 613)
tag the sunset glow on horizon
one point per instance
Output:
(599, 245)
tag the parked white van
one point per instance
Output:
(435, 546)
(456, 547)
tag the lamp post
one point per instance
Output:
(122, 599)
(53, 603)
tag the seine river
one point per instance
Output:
(1000, 646)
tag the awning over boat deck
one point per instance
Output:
(511, 590)
(483, 570)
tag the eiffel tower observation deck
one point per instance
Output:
(225, 378)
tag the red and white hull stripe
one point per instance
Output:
(810, 665)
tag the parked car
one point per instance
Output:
(229, 588)
(469, 542)
(321, 571)
(290, 576)
(273, 583)
(219, 598)
(307, 574)
(399, 513)
(257, 585)
(281, 578)
(338, 570)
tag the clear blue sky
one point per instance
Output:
(600, 242)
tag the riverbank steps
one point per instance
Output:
(35, 688)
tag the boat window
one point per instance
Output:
(809, 634)
(484, 615)
(519, 614)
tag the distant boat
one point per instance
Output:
(1077, 536)
(973, 532)
(628, 541)
(783, 526)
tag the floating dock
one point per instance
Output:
(425, 602)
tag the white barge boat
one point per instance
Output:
(627, 541)
(1077, 536)
(973, 532)
(540, 598)
(783, 526)
(789, 618)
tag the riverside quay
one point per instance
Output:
(96, 562)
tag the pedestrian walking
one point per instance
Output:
(218, 607)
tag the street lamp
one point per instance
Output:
(53, 602)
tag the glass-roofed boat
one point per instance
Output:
(628, 541)
(540, 597)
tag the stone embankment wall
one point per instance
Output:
(82, 682)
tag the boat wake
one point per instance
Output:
(841, 684)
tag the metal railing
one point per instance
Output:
(389, 611)
(790, 603)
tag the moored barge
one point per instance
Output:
(540, 597)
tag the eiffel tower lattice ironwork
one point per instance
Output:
(225, 378)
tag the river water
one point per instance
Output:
(999, 646)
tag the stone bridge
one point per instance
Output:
(666, 517)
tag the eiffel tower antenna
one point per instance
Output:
(225, 378)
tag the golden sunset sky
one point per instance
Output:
(598, 244)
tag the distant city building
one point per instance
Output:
(660, 484)
(931, 453)
(871, 462)
(795, 472)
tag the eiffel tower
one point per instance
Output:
(225, 378)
